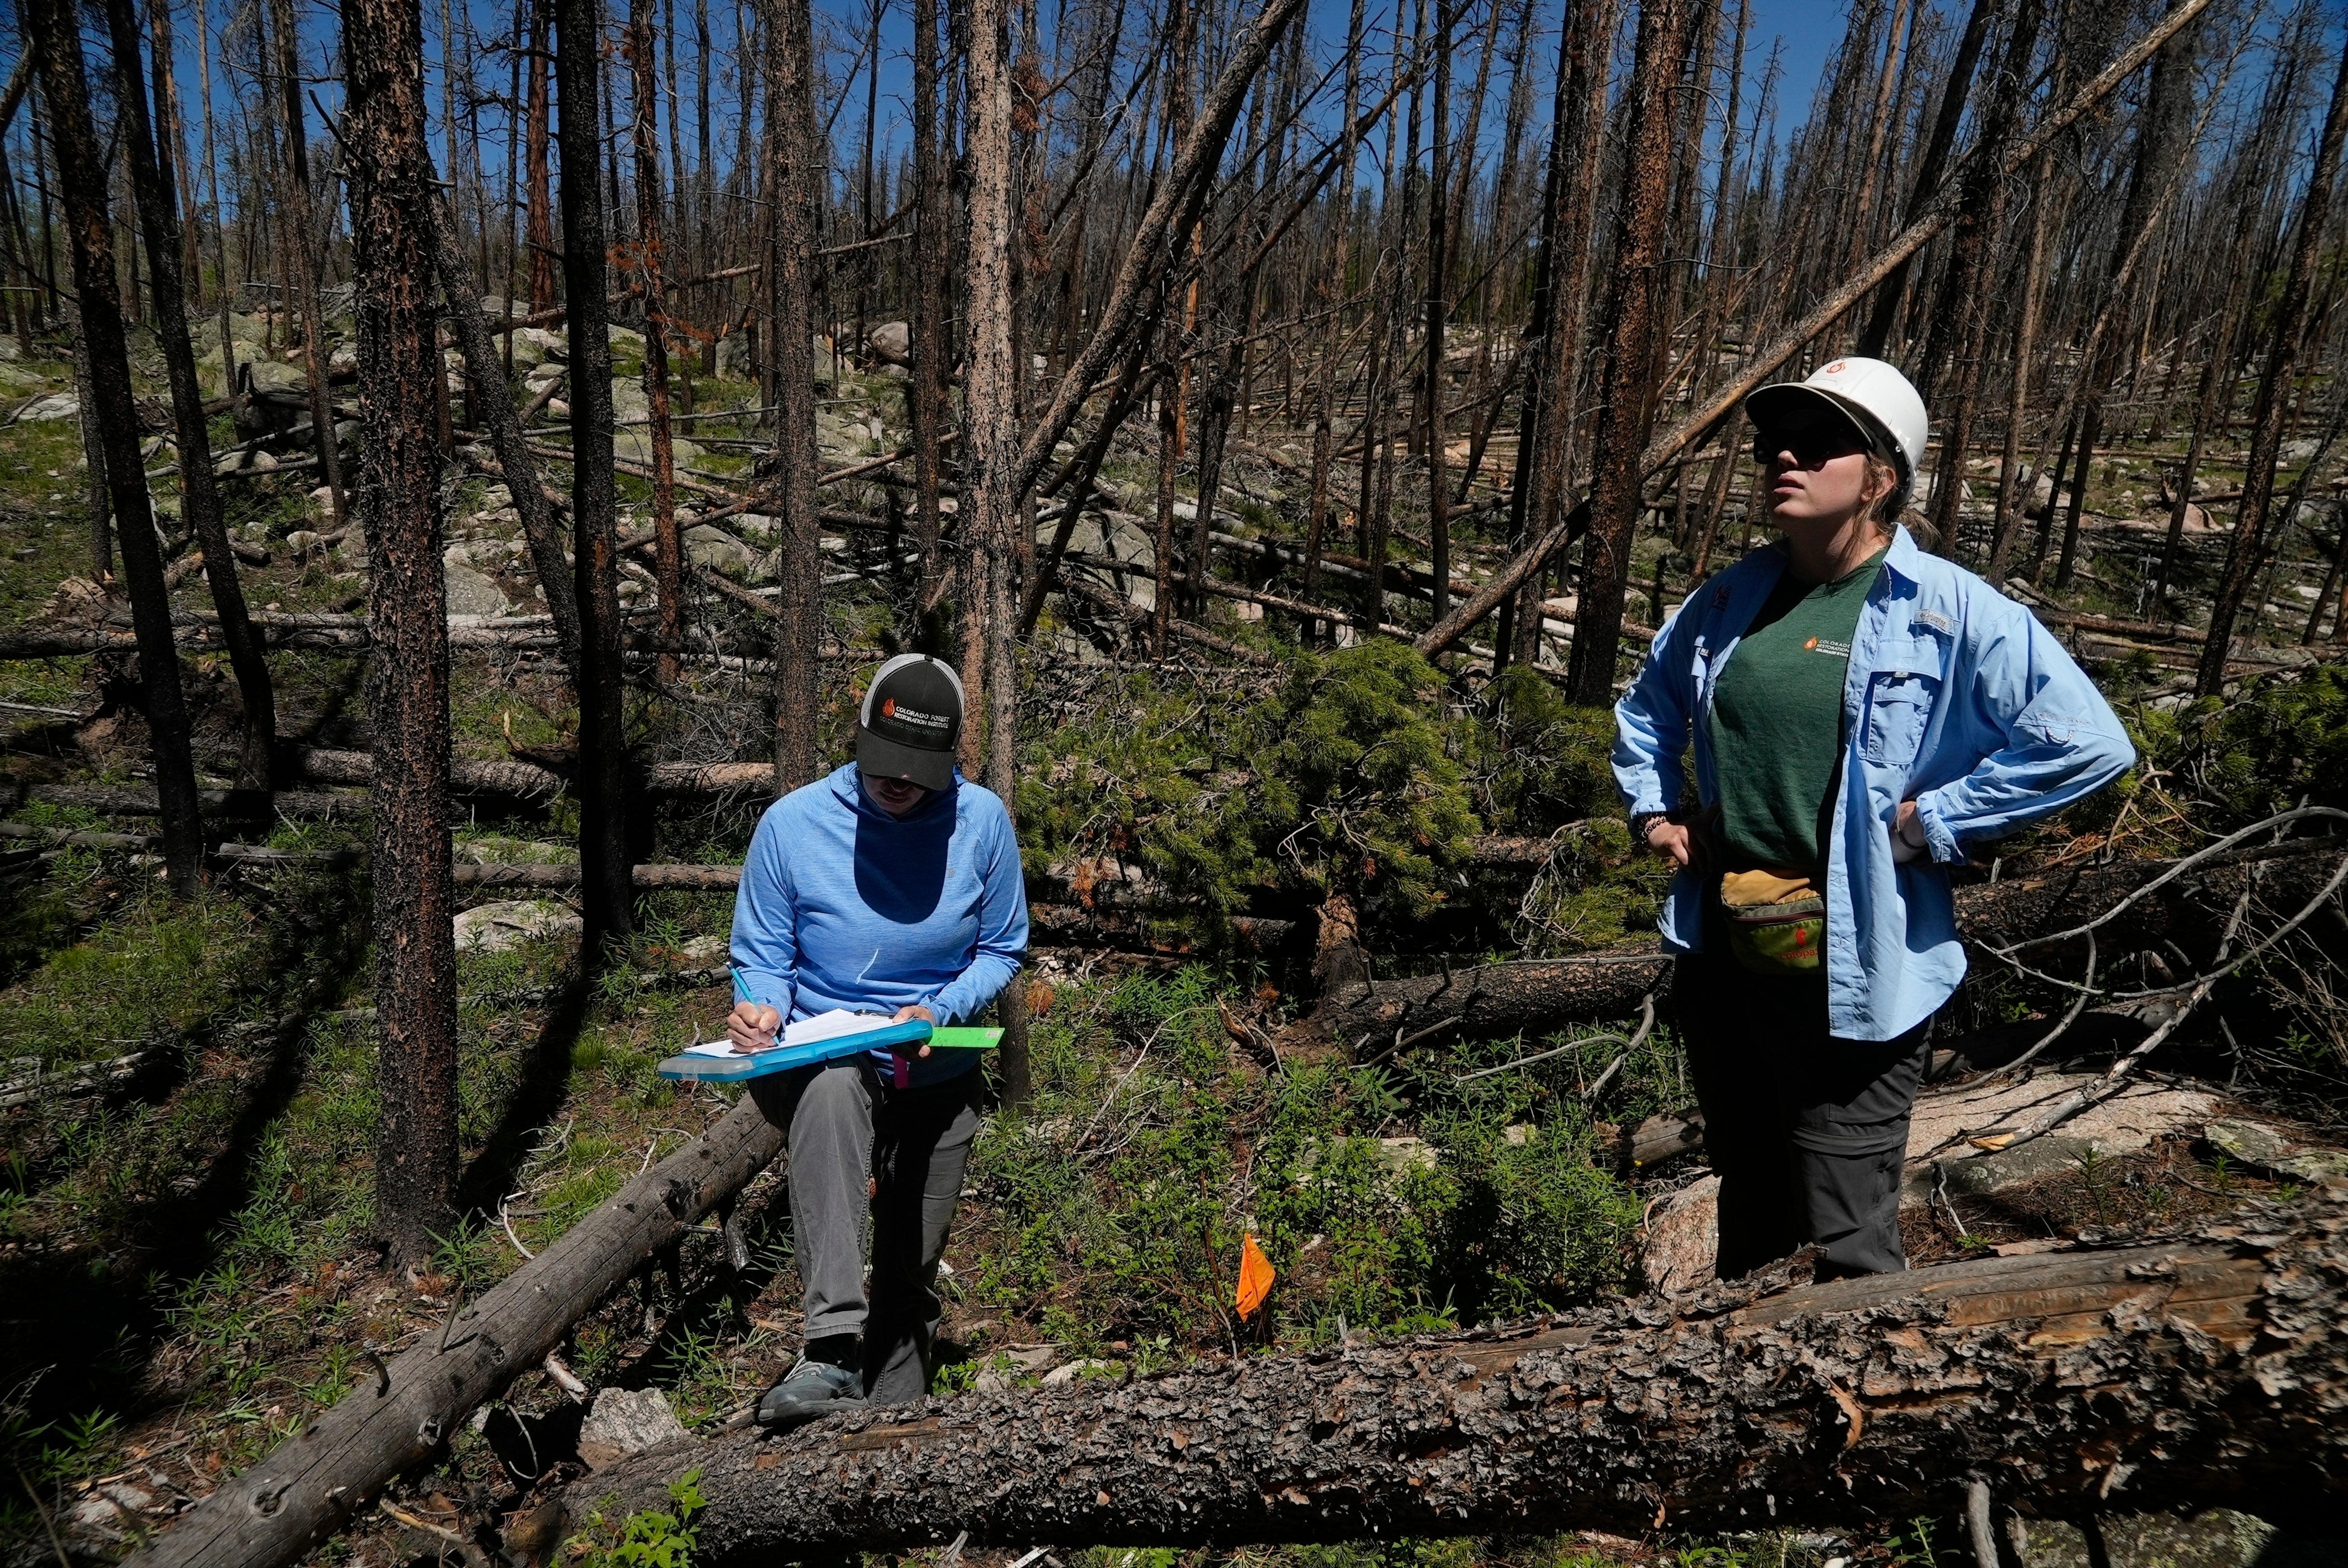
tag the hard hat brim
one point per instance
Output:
(1794, 402)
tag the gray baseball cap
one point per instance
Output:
(912, 722)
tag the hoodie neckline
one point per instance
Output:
(848, 786)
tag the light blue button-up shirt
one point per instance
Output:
(1956, 696)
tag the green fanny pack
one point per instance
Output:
(1776, 923)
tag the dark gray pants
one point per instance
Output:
(860, 1149)
(1806, 1130)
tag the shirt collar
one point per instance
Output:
(1905, 554)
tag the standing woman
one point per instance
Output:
(1862, 714)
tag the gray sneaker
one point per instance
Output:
(810, 1392)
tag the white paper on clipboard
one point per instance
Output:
(805, 1032)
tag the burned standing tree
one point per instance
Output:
(1618, 474)
(159, 217)
(991, 511)
(668, 550)
(2269, 415)
(52, 28)
(415, 900)
(795, 183)
(609, 899)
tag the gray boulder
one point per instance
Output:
(495, 927)
(891, 342)
(623, 1422)
(471, 593)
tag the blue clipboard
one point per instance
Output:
(782, 1059)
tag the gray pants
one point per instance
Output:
(860, 1148)
(1806, 1131)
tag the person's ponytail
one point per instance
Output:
(1885, 515)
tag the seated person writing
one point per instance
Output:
(890, 887)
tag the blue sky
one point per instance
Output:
(1808, 29)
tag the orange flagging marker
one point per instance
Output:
(1255, 1278)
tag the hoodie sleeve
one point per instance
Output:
(1002, 945)
(765, 947)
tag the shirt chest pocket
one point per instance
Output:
(1902, 692)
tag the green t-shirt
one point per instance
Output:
(1777, 722)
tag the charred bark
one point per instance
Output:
(795, 183)
(1930, 167)
(991, 441)
(159, 217)
(668, 550)
(1553, 337)
(927, 399)
(416, 960)
(2270, 417)
(50, 26)
(494, 396)
(1375, 1019)
(2202, 1368)
(608, 904)
(1617, 469)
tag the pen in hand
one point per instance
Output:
(752, 1025)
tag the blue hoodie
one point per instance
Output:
(843, 905)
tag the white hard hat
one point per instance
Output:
(1883, 404)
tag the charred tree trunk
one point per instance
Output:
(487, 372)
(51, 28)
(668, 550)
(1930, 167)
(1335, 283)
(416, 960)
(2268, 414)
(796, 185)
(300, 213)
(1553, 337)
(100, 502)
(2217, 374)
(609, 901)
(1617, 472)
(159, 217)
(2012, 498)
(991, 442)
(2216, 1361)
(927, 402)
(1949, 369)
(1436, 306)
(539, 235)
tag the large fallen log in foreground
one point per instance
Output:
(401, 1414)
(2208, 1368)
(1535, 997)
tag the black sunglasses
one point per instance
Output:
(1810, 446)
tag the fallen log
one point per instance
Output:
(469, 775)
(1532, 996)
(109, 802)
(1535, 997)
(2205, 1368)
(302, 1491)
(700, 879)
(198, 634)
